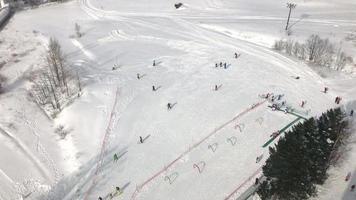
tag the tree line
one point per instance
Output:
(299, 161)
(315, 50)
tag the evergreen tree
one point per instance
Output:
(301, 158)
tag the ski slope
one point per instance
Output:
(206, 146)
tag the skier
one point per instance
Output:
(221, 64)
(352, 187)
(225, 66)
(274, 134)
(100, 198)
(116, 158)
(259, 158)
(257, 181)
(279, 97)
(141, 140)
(283, 103)
(216, 88)
(303, 103)
(138, 76)
(216, 64)
(235, 55)
(118, 189)
(338, 100)
(153, 88)
(352, 113)
(326, 89)
(169, 106)
(348, 176)
(154, 63)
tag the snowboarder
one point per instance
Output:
(352, 187)
(138, 76)
(141, 140)
(116, 157)
(221, 64)
(154, 63)
(351, 113)
(326, 89)
(153, 88)
(216, 88)
(216, 64)
(169, 106)
(257, 181)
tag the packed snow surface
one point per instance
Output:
(206, 146)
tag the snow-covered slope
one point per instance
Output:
(206, 146)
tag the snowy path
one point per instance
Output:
(201, 149)
(46, 174)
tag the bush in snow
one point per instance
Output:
(300, 160)
(61, 131)
(55, 84)
(315, 50)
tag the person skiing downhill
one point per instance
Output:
(303, 103)
(216, 88)
(257, 181)
(326, 89)
(141, 140)
(352, 188)
(352, 113)
(235, 55)
(100, 198)
(221, 64)
(153, 88)
(138, 76)
(169, 106)
(225, 66)
(116, 157)
(154, 63)
(216, 64)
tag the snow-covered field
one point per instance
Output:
(206, 146)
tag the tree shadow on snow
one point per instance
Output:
(79, 181)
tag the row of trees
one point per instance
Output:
(55, 83)
(315, 50)
(300, 160)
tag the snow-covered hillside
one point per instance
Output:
(205, 147)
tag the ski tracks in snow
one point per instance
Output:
(194, 146)
(40, 148)
(111, 125)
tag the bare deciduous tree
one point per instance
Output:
(54, 84)
(316, 50)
